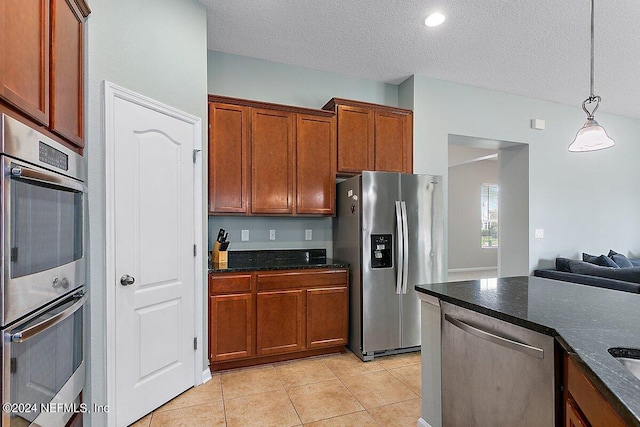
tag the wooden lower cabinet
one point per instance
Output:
(327, 316)
(573, 416)
(231, 317)
(262, 317)
(280, 320)
(231, 330)
(584, 405)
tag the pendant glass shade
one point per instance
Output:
(591, 137)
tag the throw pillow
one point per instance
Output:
(620, 259)
(601, 260)
(624, 274)
(562, 264)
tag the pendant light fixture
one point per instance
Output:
(591, 136)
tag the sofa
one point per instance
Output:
(612, 271)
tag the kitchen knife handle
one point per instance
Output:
(400, 246)
(405, 246)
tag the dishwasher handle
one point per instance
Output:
(496, 339)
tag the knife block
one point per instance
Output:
(219, 257)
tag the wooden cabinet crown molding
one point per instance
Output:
(334, 102)
(270, 106)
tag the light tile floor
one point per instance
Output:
(336, 390)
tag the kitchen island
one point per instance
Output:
(585, 321)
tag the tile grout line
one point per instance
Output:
(288, 396)
(351, 393)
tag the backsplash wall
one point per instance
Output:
(290, 232)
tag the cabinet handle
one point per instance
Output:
(496, 339)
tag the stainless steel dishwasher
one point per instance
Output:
(495, 373)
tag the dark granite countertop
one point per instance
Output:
(586, 320)
(242, 261)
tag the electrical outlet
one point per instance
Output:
(272, 234)
(245, 235)
(308, 234)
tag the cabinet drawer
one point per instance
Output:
(229, 283)
(301, 279)
(591, 402)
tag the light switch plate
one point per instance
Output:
(539, 233)
(245, 235)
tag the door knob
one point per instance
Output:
(127, 280)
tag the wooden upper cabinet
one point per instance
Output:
(228, 158)
(41, 70)
(393, 147)
(24, 56)
(272, 140)
(270, 159)
(356, 132)
(372, 137)
(316, 165)
(67, 71)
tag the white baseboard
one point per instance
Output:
(465, 270)
(206, 376)
(423, 423)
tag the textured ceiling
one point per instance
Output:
(537, 48)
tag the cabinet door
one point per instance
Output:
(228, 158)
(280, 322)
(24, 56)
(327, 317)
(573, 416)
(393, 146)
(272, 162)
(316, 164)
(355, 139)
(67, 71)
(230, 327)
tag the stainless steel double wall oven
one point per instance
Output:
(42, 196)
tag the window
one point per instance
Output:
(489, 216)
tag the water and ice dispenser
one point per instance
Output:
(381, 252)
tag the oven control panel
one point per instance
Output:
(53, 157)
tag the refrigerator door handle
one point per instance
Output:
(405, 244)
(400, 248)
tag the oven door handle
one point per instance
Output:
(39, 327)
(50, 178)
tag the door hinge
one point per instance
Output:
(195, 250)
(13, 367)
(14, 254)
(195, 154)
(195, 343)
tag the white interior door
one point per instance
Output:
(153, 227)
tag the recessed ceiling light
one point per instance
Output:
(434, 19)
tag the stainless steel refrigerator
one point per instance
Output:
(389, 227)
